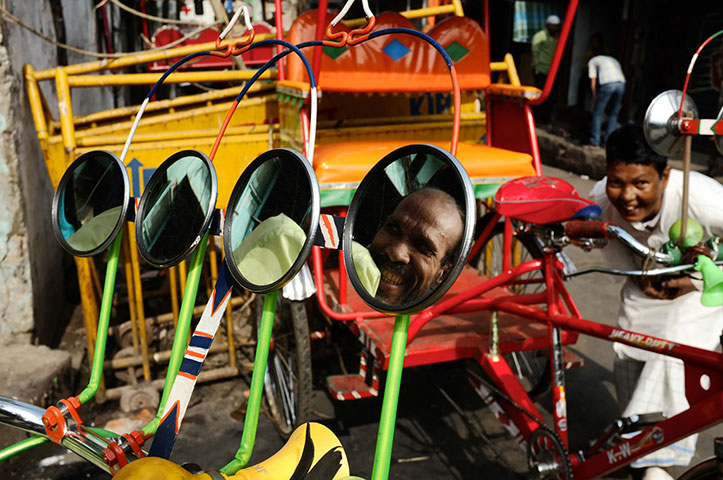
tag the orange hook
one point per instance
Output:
(361, 34)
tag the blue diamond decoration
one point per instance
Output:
(396, 49)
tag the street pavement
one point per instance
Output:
(444, 431)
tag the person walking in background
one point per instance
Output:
(607, 83)
(544, 43)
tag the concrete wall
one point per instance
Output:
(31, 263)
(80, 31)
(30, 260)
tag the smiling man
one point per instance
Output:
(644, 196)
(415, 246)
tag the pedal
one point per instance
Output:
(350, 387)
(635, 423)
(571, 359)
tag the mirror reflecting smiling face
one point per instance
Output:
(177, 209)
(90, 202)
(409, 228)
(413, 249)
(268, 219)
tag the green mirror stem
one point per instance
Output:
(103, 321)
(253, 406)
(21, 446)
(100, 343)
(385, 436)
(183, 327)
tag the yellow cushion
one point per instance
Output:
(343, 165)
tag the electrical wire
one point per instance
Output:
(13, 19)
(140, 14)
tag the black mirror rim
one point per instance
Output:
(469, 223)
(56, 201)
(313, 226)
(143, 205)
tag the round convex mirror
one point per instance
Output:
(409, 229)
(176, 208)
(271, 220)
(90, 204)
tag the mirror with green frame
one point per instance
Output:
(176, 208)
(271, 220)
(409, 229)
(91, 203)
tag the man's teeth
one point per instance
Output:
(630, 209)
(391, 277)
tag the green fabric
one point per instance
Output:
(366, 269)
(336, 197)
(486, 190)
(270, 250)
(94, 232)
(543, 49)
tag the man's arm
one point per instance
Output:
(592, 73)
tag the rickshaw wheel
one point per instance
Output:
(532, 367)
(547, 457)
(287, 383)
(705, 470)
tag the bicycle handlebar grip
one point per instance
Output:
(586, 229)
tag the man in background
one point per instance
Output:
(607, 83)
(544, 43)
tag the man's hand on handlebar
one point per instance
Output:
(665, 288)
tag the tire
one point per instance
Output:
(705, 470)
(287, 383)
(532, 367)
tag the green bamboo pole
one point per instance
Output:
(21, 446)
(385, 436)
(253, 406)
(103, 321)
(180, 337)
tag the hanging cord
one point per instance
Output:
(137, 13)
(13, 19)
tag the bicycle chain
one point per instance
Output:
(539, 421)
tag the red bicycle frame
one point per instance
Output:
(703, 373)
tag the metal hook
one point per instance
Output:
(237, 47)
(359, 34)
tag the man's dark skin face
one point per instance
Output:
(636, 191)
(553, 29)
(411, 246)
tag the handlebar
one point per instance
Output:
(78, 439)
(21, 415)
(575, 229)
(586, 229)
(637, 273)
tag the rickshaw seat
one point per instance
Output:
(340, 167)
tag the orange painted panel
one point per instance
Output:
(398, 62)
